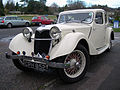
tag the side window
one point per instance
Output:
(99, 18)
(34, 18)
(42, 18)
(13, 18)
(18, 18)
(46, 18)
(7, 18)
(106, 18)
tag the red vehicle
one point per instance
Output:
(39, 20)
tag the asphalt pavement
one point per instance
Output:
(103, 73)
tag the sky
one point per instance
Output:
(109, 3)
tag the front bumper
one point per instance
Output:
(38, 60)
(2, 24)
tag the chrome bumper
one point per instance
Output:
(37, 60)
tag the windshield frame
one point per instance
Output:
(77, 13)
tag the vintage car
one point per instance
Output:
(65, 46)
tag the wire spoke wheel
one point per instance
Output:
(77, 61)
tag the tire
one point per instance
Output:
(19, 65)
(78, 61)
(52, 22)
(27, 24)
(39, 24)
(9, 25)
(110, 45)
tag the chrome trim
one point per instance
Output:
(37, 60)
(42, 39)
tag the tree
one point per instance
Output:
(76, 4)
(24, 1)
(10, 6)
(36, 7)
(43, 1)
(17, 6)
(54, 8)
(1, 8)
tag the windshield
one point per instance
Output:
(76, 17)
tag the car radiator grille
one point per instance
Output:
(42, 46)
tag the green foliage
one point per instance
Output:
(116, 29)
(10, 6)
(73, 4)
(17, 6)
(36, 7)
(1, 8)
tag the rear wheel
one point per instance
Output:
(39, 24)
(110, 45)
(27, 24)
(78, 61)
(52, 22)
(9, 25)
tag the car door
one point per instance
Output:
(20, 21)
(13, 21)
(43, 20)
(98, 32)
(47, 21)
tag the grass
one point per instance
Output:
(116, 29)
(27, 17)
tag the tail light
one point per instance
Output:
(2, 21)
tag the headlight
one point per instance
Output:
(27, 33)
(55, 33)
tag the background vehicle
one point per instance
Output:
(39, 20)
(10, 21)
(66, 45)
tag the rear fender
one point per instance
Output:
(109, 34)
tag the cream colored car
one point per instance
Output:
(66, 45)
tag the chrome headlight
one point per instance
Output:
(27, 32)
(55, 33)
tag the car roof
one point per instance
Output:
(81, 10)
(10, 16)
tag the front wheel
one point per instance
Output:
(9, 25)
(78, 61)
(19, 64)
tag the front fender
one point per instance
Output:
(20, 43)
(66, 45)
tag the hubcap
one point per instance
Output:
(77, 61)
(9, 25)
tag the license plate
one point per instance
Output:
(37, 66)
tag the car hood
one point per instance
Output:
(69, 27)
(64, 26)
